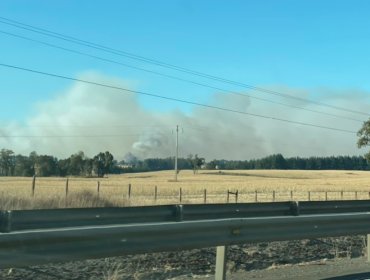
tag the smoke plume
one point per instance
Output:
(93, 119)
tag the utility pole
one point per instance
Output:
(177, 150)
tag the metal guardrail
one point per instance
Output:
(42, 236)
(56, 218)
(23, 248)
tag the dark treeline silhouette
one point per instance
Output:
(45, 165)
(279, 162)
(80, 165)
(104, 163)
(156, 164)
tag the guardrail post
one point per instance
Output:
(294, 208)
(368, 247)
(5, 221)
(221, 259)
(179, 213)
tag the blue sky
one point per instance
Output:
(302, 45)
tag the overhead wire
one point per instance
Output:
(68, 136)
(94, 126)
(220, 90)
(82, 135)
(75, 40)
(172, 98)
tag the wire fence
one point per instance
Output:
(156, 195)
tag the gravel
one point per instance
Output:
(199, 263)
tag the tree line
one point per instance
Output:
(277, 161)
(45, 165)
(79, 164)
(103, 163)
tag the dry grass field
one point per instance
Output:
(270, 185)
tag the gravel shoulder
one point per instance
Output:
(298, 259)
(338, 269)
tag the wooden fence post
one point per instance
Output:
(255, 197)
(291, 195)
(67, 187)
(341, 195)
(355, 195)
(228, 194)
(273, 196)
(180, 195)
(33, 185)
(205, 196)
(309, 196)
(326, 196)
(98, 189)
(155, 193)
(236, 196)
(129, 191)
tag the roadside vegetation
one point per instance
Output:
(113, 190)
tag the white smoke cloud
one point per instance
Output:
(87, 110)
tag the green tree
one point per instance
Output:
(196, 162)
(63, 165)
(33, 158)
(23, 166)
(103, 163)
(88, 167)
(108, 162)
(7, 162)
(364, 138)
(76, 164)
(46, 166)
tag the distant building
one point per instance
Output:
(125, 166)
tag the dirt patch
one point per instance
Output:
(140, 177)
(201, 262)
(222, 173)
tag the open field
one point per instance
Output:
(252, 185)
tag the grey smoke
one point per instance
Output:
(130, 158)
(89, 110)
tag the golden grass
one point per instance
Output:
(114, 188)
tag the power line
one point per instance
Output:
(221, 90)
(68, 136)
(95, 126)
(163, 64)
(172, 99)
